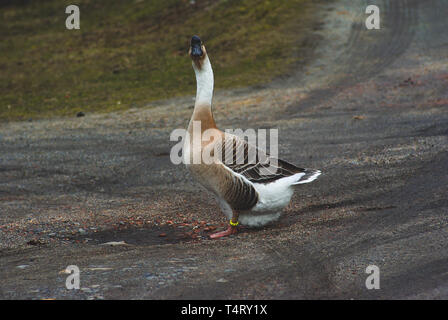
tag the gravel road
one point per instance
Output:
(369, 108)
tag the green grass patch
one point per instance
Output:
(129, 53)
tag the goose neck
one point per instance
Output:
(204, 82)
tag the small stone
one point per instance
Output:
(99, 269)
(150, 276)
(35, 242)
(23, 266)
(114, 243)
(80, 114)
(64, 271)
(222, 280)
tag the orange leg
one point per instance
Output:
(232, 229)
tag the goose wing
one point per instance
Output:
(256, 165)
(243, 165)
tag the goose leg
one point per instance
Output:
(230, 230)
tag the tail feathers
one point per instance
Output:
(310, 175)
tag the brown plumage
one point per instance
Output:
(249, 184)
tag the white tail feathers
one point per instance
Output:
(310, 175)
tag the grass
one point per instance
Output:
(129, 53)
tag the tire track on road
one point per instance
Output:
(368, 52)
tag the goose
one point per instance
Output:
(248, 192)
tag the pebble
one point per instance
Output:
(99, 269)
(150, 276)
(222, 280)
(23, 266)
(114, 243)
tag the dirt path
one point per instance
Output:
(369, 109)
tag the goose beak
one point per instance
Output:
(196, 51)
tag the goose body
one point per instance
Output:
(253, 191)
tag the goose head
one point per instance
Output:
(197, 52)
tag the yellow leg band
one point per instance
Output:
(234, 224)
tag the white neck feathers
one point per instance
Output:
(204, 82)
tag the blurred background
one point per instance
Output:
(129, 53)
